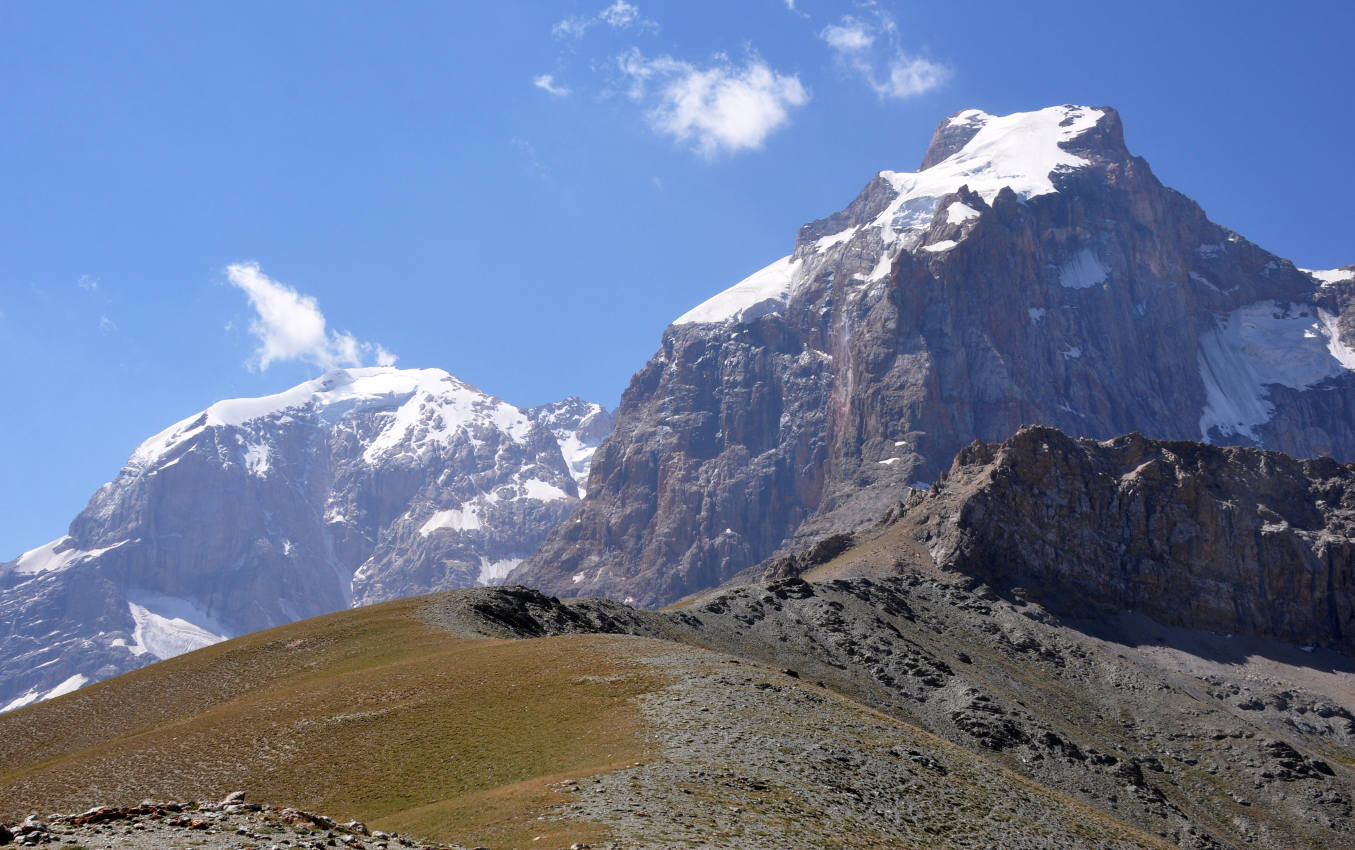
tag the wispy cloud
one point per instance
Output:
(289, 326)
(106, 325)
(546, 82)
(88, 283)
(530, 159)
(872, 49)
(718, 109)
(619, 15)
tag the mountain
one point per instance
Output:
(359, 486)
(1033, 271)
(853, 713)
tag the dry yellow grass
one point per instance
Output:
(367, 714)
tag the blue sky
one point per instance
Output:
(525, 194)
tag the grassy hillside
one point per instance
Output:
(370, 714)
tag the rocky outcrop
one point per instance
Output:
(359, 486)
(1033, 272)
(1234, 540)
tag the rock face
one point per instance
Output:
(1230, 539)
(1033, 271)
(362, 485)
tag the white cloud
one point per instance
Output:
(850, 36)
(620, 15)
(290, 326)
(890, 71)
(106, 325)
(89, 283)
(719, 109)
(911, 76)
(546, 82)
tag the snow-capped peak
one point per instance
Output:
(406, 392)
(987, 153)
(1021, 151)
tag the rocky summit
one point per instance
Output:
(1032, 271)
(361, 485)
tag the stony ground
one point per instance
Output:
(1203, 740)
(232, 824)
(743, 755)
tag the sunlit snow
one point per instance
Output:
(33, 695)
(764, 291)
(1261, 344)
(166, 627)
(467, 518)
(46, 558)
(1329, 276)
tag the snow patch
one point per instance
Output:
(1330, 276)
(1036, 314)
(1258, 345)
(577, 577)
(167, 626)
(889, 461)
(47, 558)
(1343, 353)
(466, 518)
(938, 247)
(72, 684)
(882, 268)
(33, 695)
(494, 572)
(835, 239)
(256, 459)
(543, 491)
(959, 213)
(1083, 271)
(1072, 352)
(764, 291)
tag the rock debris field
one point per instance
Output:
(232, 824)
